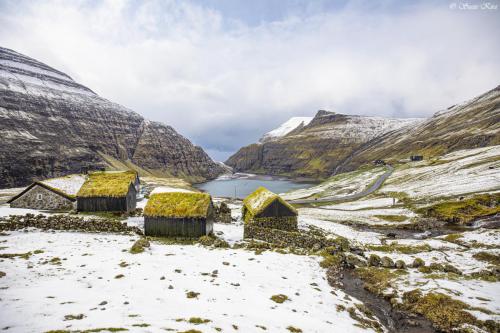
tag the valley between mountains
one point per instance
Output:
(418, 253)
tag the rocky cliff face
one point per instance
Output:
(50, 126)
(314, 150)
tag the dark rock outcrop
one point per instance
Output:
(51, 126)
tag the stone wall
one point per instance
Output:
(39, 197)
(282, 238)
(65, 222)
(287, 223)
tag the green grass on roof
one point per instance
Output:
(178, 204)
(107, 184)
(258, 200)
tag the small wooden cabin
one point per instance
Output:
(50, 194)
(108, 191)
(266, 209)
(179, 214)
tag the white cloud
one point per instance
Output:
(223, 83)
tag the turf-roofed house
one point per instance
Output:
(179, 214)
(108, 191)
(50, 194)
(265, 209)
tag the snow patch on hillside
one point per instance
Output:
(286, 128)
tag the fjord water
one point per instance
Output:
(240, 185)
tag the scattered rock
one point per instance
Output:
(387, 262)
(418, 262)
(400, 264)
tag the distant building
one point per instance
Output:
(379, 162)
(50, 194)
(266, 209)
(416, 158)
(112, 191)
(179, 214)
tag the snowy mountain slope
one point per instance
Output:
(472, 124)
(51, 126)
(285, 128)
(314, 150)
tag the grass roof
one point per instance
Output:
(258, 200)
(107, 184)
(178, 204)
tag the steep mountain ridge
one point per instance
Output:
(472, 124)
(314, 150)
(51, 125)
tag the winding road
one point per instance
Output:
(375, 186)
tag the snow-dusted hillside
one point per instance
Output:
(285, 128)
(314, 149)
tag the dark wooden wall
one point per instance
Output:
(276, 209)
(177, 227)
(108, 204)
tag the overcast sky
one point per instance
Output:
(223, 72)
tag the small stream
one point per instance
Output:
(395, 321)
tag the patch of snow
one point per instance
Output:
(286, 128)
(168, 189)
(38, 298)
(70, 184)
(5, 211)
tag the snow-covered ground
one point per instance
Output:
(70, 184)
(339, 185)
(98, 281)
(457, 173)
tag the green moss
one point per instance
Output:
(107, 184)
(392, 218)
(443, 311)
(464, 211)
(192, 294)
(190, 331)
(178, 204)
(105, 329)
(198, 320)
(452, 238)
(377, 280)
(139, 246)
(141, 325)
(330, 260)
(258, 200)
(294, 329)
(406, 249)
(280, 298)
(25, 255)
(488, 257)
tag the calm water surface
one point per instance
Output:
(241, 185)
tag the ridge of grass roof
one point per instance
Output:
(178, 204)
(107, 184)
(259, 199)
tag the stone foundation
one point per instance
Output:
(282, 238)
(63, 222)
(288, 223)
